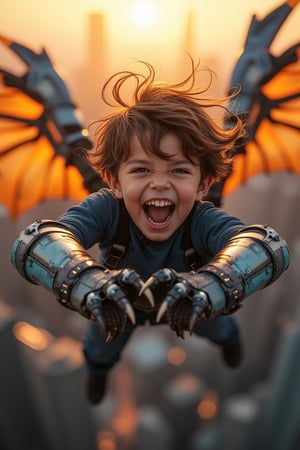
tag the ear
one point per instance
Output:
(115, 186)
(203, 187)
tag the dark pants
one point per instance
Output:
(101, 356)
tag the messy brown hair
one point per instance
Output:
(159, 108)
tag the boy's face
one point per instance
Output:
(159, 194)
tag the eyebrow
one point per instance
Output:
(145, 161)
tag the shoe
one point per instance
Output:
(232, 353)
(96, 387)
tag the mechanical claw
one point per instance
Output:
(165, 276)
(162, 310)
(200, 305)
(115, 293)
(185, 303)
(93, 305)
(178, 291)
(109, 304)
(111, 336)
(110, 319)
(129, 277)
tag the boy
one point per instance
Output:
(166, 256)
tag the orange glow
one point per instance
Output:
(5, 40)
(143, 13)
(176, 356)
(147, 31)
(33, 337)
(68, 349)
(85, 132)
(106, 441)
(208, 407)
(187, 383)
(293, 3)
(124, 423)
(125, 420)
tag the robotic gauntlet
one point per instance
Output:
(253, 258)
(48, 254)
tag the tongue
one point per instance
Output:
(158, 214)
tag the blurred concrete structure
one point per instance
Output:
(56, 379)
(153, 430)
(20, 425)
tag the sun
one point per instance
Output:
(143, 13)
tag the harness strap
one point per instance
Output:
(119, 247)
(191, 256)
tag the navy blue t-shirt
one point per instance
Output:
(96, 219)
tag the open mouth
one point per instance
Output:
(159, 212)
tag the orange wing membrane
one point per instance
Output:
(41, 136)
(268, 102)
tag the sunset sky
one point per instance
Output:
(218, 32)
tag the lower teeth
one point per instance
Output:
(159, 223)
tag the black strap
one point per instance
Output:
(191, 256)
(119, 247)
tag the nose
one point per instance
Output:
(160, 180)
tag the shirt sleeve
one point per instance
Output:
(212, 228)
(95, 220)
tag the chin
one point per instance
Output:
(158, 236)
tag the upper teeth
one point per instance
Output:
(158, 203)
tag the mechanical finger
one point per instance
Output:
(111, 320)
(166, 276)
(113, 292)
(200, 307)
(93, 305)
(178, 291)
(129, 277)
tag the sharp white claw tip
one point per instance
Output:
(130, 313)
(150, 297)
(163, 308)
